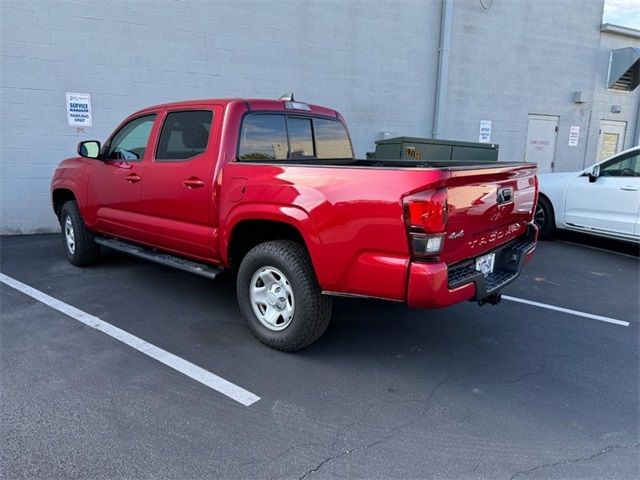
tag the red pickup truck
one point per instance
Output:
(271, 188)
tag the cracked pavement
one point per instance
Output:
(525, 473)
(508, 392)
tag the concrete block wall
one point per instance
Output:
(373, 60)
(604, 99)
(515, 59)
(529, 57)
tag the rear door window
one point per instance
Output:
(184, 135)
(263, 137)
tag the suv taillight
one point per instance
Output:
(426, 215)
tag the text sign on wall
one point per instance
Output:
(485, 131)
(574, 135)
(79, 109)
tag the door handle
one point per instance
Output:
(193, 182)
(133, 178)
(630, 188)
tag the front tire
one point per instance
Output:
(78, 241)
(545, 218)
(279, 296)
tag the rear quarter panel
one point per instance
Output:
(351, 218)
(554, 186)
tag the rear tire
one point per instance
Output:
(279, 296)
(545, 218)
(78, 241)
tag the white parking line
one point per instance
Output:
(567, 310)
(201, 375)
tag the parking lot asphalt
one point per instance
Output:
(514, 391)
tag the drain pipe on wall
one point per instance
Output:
(446, 22)
(637, 135)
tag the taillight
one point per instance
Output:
(427, 211)
(426, 245)
(426, 215)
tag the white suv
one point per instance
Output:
(602, 200)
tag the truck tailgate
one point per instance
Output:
(487, 208)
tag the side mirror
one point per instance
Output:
(89, 149)
(594, 173)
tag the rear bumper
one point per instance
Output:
(435, 285)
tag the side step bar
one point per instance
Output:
(167, 259)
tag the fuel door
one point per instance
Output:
(237, 188)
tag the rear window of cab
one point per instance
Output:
(276, 137)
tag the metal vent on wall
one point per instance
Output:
(624, 69)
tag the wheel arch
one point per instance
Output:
(249, 233)
(59, 196)
(542, 195)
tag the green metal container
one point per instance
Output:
(414, 148)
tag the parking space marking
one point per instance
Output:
(597, 248)
(567, 310)
(198, 374)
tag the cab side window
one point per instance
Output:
(628, 166)
(264, 137)
(130, 143)
(184, 135)
(300, 137)
(331, 139)
(294, 137)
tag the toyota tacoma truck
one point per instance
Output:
(272, 190)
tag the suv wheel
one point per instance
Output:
(79, 244)
(280, 297)
(544, 218)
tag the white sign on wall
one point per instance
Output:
(485, 131)
(79, 109)
(574, 135)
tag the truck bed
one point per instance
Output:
(354, 210)
(395, 163)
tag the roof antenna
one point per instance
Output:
(287, 97)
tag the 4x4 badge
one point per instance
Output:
(455, 235)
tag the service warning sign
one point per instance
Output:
(79, 109)
(485, 131)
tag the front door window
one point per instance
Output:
(130, 143)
